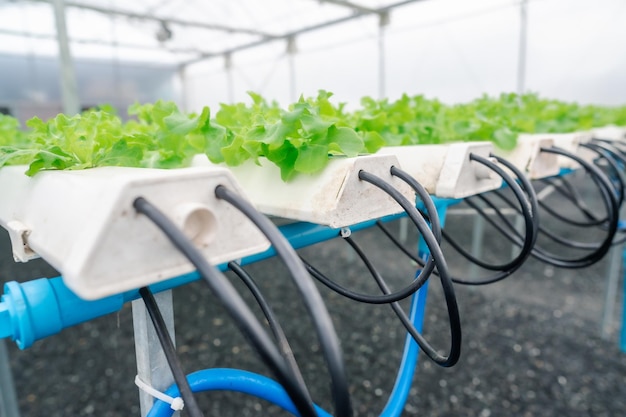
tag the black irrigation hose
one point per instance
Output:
(170, 353)
(528, 202)
(432, 216)
(618, 179)
(422, 226)
(613, 148)
(531, 225)
(234, 305)
(558, 239)
(436, 255)
(619, 146)
(445, 361)
(609, 200)
(569, 192)
(272, 320)
(313, 301)
(514, 236)
(436, 258)
(613, 158)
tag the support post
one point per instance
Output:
(182, 79)
(478, 234)
(228, 66)
(383, 22)
(610, 290)
(622, 341)
(152, 366)
(523, 34)
(69, 87)
(292, 49)
(8, 398)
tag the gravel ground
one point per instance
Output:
(531, 344)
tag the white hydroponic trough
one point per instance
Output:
(446, 170)
(527, 156)
(610, 132)
(571, 142)
(335, 197)
(83, 223)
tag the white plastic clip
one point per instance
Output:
(345, 232)
(176, 404)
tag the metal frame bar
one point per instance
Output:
(152, 366)
(8, 398)
(69, 85)
(181, 22)
(354, 6)
(105, 43)
(303, 30)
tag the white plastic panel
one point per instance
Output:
(527, 156)
(570, 142)
(610, 132)
(446, 170)
(83, 223)
(335, 197)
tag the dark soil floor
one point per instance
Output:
(531, 343)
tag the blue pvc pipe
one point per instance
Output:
(39, 308)
(402, 386)
(404, 379)
(223, 379)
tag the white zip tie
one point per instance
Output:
(176, 404)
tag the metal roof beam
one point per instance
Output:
(114, 44)
(380, 11)
(169, 20)
(350, 5)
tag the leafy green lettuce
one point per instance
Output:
(299, 139)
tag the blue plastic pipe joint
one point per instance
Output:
(39, 308)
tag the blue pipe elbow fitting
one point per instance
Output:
(39, 308)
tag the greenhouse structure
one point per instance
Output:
(312, 208)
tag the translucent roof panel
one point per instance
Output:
(172, 31)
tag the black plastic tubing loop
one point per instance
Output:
(431, 211)
(445, 361)
(619, 146)
(272, 320)
(313, 301)
(424, 274)
(610, 202)
(436, 255)
(422, 226)
(596, 174)
(529, 207)
(549, 234)
(605, 153)
(233, 303)
(568, 191)
(430, 215)
(528, 188)
(495, 277)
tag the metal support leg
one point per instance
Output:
(8, 399)
(478, 233)
(152, 366)
(623, 332)
(610, 291)
(519, 226)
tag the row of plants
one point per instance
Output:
(299, 138)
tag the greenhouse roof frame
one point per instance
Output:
(162, 17)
